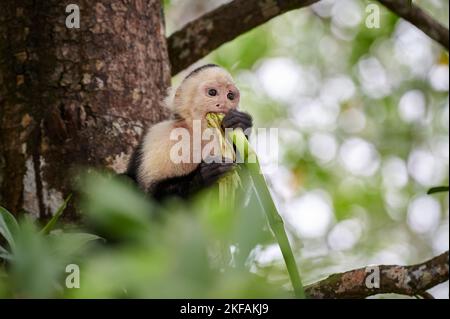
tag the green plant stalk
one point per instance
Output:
(265, 198)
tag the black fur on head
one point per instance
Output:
(201, 68)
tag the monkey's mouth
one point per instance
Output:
(218, 112)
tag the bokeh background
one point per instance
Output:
(363, 119)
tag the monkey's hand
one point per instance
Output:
(212, 169)
(236, 119)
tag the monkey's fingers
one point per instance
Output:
(235, 113)
(214, 160)
(235, 119)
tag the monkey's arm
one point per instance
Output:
(206, 174)
(179, 186)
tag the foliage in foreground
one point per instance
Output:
(34, 260)
(173, 251)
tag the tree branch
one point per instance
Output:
(422, 20)
(405, 280)
(227, 22)
(205, 34)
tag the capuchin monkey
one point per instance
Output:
(206, 89)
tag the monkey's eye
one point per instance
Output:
(231, 96)
(212, 92)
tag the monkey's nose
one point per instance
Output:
(218, 105)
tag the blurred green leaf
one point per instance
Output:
(69, 244)
(34, 269)
(8, 226)
(49, 226)
(4, 254)
(113, 205)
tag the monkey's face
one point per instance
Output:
(218, 96)
(211, 90)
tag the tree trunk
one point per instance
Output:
(74, 97)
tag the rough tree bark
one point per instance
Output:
(74, 97)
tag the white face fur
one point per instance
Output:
(211, 90)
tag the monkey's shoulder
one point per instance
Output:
(156, 154)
